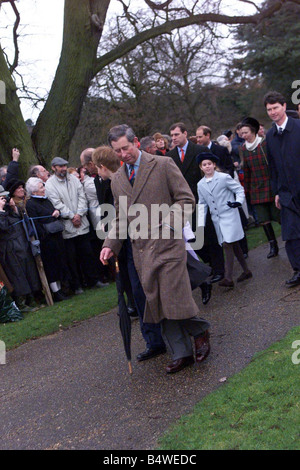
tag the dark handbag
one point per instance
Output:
(54, 227)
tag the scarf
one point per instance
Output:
(252, 146)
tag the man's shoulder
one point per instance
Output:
(196, 148)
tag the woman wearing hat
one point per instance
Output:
(15, 252)
(223, 195)
(257, 180)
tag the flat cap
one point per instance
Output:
(59, 161)
(3, 192)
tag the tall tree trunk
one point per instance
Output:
(58, 120)
(12, 126)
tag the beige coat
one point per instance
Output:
(68, 197)
(160, 263)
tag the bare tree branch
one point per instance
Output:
(154, 5)
(13, 66)
(169, 26)
(251, 3)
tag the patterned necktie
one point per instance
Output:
(131, 174)
(182, 155)
(280, 131)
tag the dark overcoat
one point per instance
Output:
(225, 161)
(160, 262)
(284, 159)
(15, 255)
(52, 245)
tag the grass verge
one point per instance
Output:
(256, 236)
(47, 320)
(257, 409)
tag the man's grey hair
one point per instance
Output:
(33, 171)
(146, 142)
(32, 185)
(87, 155)
(116, 132)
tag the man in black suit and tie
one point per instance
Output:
(203, 135)
(184, 155)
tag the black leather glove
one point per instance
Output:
(233, 204)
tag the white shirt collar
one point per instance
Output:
(283, 124)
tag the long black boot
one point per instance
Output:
(272, 239)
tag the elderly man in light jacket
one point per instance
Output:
(67, 195)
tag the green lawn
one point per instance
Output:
(257, 409)
(256, 236)
(47, 320)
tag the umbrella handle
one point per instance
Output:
(117, 265)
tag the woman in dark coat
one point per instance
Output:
(15, 251)
(52, 244)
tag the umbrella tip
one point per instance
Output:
(130, 367)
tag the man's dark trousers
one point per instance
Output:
(151, 331)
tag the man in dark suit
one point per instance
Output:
(203, 135)
(283, 149)
(184, 155)
(184, 149)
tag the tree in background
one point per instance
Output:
(82, 59)
(270, 50)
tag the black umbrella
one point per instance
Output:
(124, 318)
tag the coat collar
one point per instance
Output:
(209, 187)
(289, 126)
(147, 164)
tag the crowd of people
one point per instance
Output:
(241, 178)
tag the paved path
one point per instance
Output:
(72, 390)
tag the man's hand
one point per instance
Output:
(277, 202)
(105, 254)
(56, 213)
(76, 221)
(15, 153)
(13, 205)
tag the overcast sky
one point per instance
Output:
(40, 39)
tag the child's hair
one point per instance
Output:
(107, 157)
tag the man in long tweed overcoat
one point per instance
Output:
(147, 182)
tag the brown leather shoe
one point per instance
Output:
(179, 364)
(202, 347)
(226, 283)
